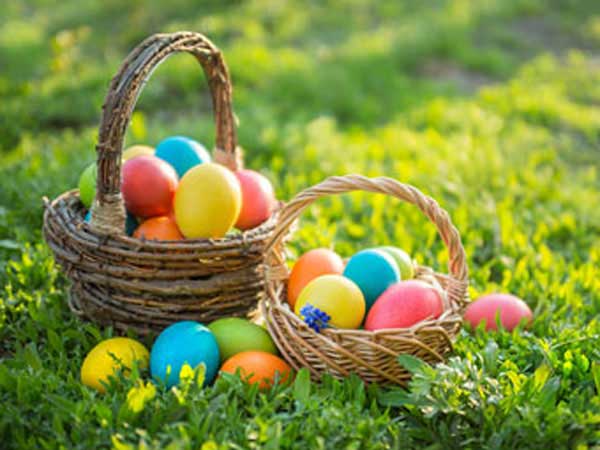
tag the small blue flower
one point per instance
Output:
(314, 317)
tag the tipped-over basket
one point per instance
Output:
(372, 355)
(146, 285)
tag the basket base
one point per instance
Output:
(93, 303)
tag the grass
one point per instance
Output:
(489, 106)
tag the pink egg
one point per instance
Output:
(258, 199)
(512, 311)
(404, 304)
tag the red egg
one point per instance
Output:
(512, 310)
(404, 304)
(148, 185)
(258, 199)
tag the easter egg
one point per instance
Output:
(235, 335)
(511, 310)
(258, 199)
(258, 367)
(109, 356)
(373, 271)
(137, 150)
(312, 264)
(182, 153)
(183, 343)
(207, 201)
(87, 185)
(148, 185)
(405, 264)
(131, 222)
(404, 304)
(161, 228)
(334, 295)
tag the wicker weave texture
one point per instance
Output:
(145, 285)
(372, 355)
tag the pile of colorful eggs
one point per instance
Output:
(231, 345)
(176, 192)
(376, 290)
(238, 346)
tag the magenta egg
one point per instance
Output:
(512, 310)
(404, 304)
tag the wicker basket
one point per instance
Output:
(372, 355)
(145, 285)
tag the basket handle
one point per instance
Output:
(108, 211)
(457, 265)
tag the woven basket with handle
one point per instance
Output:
(372, 355)
(146, 285)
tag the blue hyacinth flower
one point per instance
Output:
(314, 317)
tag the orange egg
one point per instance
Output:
(313, 264)
(161, 228)
(258, 367)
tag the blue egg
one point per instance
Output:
(373, 271)
(184, 342)
(182, 153)
(131, 222)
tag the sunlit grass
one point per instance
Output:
(327, 89)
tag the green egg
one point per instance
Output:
(405, 264)
(235, 335)
(87, 185)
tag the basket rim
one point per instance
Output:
(69, 201)
(430, 339)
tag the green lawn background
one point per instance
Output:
(491, 107)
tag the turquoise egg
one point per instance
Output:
(184, 343)
(373, 271)
(182, 153)
(131, 222)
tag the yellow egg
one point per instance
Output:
(207, 201)
(137, 150)
(336, 296)
(108, 356)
